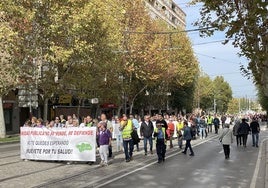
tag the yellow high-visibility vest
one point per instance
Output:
(126, 132)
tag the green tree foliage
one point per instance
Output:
(182, 97)
(158, 61)
(84, 47)
(9, 58)
(245, 24)
(212, 92)
(204, 92)
(233, 106)
(222, 93)
(263, 99)
(70, 39)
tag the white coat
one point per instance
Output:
(226, 135)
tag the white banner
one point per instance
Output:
(64, 144)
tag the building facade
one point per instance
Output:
(168, 11)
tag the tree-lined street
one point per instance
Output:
(208, 168)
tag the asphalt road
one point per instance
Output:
(207, 169)
(246, 168)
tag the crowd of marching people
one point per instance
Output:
(158, 130)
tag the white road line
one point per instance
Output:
(257, 168)
(138, 169)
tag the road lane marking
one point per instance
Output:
(257, 167)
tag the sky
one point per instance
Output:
(215, 58)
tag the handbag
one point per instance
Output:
(135, 137)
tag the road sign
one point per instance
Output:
(28, 104)
(95, 101)
(28, 97)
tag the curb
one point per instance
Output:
(10, 142)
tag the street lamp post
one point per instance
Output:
(215, 106)
(121, 79)
(168, 94)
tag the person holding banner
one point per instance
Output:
(57, 122)
(27, 123)
(33, 120)
(126, 127)
(39, 123)
(105, 140)
(109, 126)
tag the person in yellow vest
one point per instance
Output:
(179, 127)
(159, 134)
(126, 127)
(209, 122)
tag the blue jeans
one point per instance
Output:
(255, 139)
(202, 133)
(119, 142)
(150, 139)
(128, 148)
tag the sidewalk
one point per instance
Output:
(11, 141)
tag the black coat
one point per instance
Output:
(243, 128)
(146, 130)
(255, 127)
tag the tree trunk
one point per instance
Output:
(131, 107)
(264, 80)
(45, 109)
(119, 111)
(79, 108)
(2, 120)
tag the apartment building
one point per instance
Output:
(168, 11)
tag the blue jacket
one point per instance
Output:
(187, 133)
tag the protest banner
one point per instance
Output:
(64, 144)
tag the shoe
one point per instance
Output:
(257, 146)
(69, 163)
(152, 152)
(105, 164)
(192, 154)
(128, 160)
(131, 158)
(145, 153)
(164, 159)
(101, 163)
(159, 161)
(184, 152)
